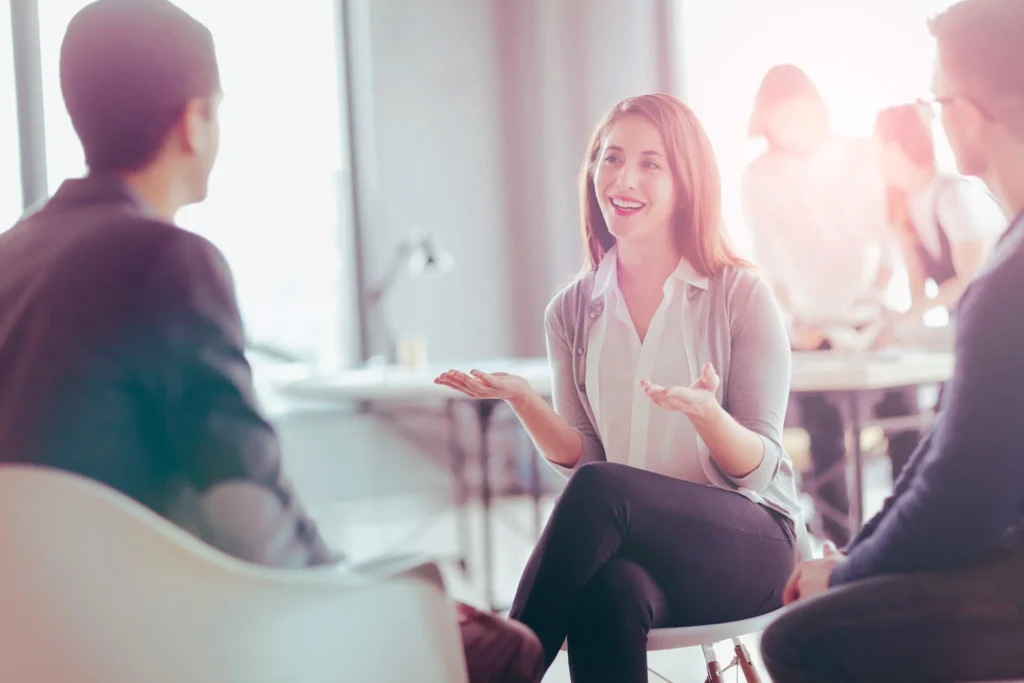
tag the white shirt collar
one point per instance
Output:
(685, 272)
(606, 277)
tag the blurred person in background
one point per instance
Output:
(815, 204)
(946, 223)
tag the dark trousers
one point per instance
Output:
(627, 550)
(962, 625)
(824, 426)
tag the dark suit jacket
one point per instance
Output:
(962, 493)
(122, 359)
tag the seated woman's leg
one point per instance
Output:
(717, 556)
(608, 630)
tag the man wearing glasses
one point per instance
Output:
(932, 588)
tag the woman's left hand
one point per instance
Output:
(695, 401)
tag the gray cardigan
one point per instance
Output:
(736, 325)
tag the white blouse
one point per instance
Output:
(632, 428)
(962, 207)
(820, 229)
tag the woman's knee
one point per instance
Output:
(596, 481)
(594, 495)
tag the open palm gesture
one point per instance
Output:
(499, 386)
(696, 400)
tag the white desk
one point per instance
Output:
(402, 384)
(851, 377)
(813, 372)
(834, 371)
(392, 383)
(847, 375)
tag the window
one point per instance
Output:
(277, 201)
(862, 55)
(10, 168)
(63, 153)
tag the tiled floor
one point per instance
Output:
(427, 525)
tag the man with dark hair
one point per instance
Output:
(932, 588)
(121, 344)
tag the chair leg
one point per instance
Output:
(714, 670)
(744, 662)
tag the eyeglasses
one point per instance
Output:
(931, 107)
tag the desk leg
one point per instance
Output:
(530, 450)
(485, 409)
(535, 486)
(458, 455)
(857, 500)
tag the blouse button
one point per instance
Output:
(579, 351)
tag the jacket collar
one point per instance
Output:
(97, 188)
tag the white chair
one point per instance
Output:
(707, 636)
(95, 588)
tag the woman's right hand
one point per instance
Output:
(498, 386)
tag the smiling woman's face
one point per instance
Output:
(633, 181)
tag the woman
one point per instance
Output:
(946, 223)
(815, 204)
(670, 370)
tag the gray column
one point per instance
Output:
(29, 95)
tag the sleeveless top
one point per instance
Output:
(939, 268)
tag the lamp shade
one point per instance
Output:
(428, 259)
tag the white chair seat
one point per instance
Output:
(709, 634)
(695, 636)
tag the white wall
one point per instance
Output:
(480, 114)
(437, 143)
(472, 121)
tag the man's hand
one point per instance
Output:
(898, 326)
(807, 338)
(811, 577)
(466, 612)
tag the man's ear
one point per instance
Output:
(194, 117)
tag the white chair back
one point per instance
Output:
(95, 588)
